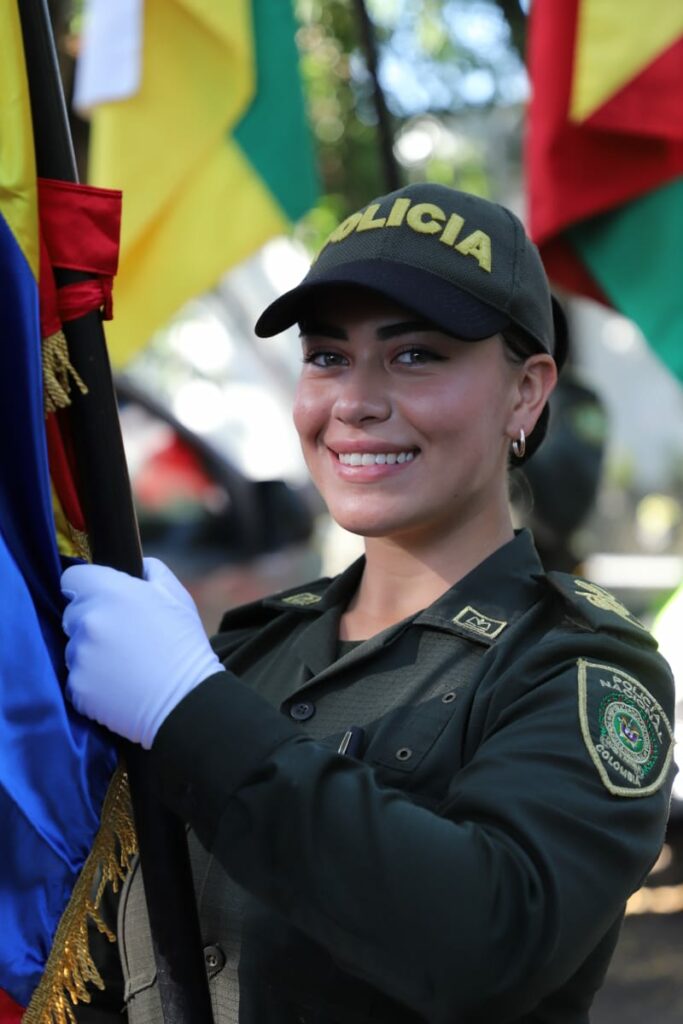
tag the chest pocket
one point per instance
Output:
(417, 746)
(403, 738)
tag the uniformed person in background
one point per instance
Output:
(424, 790)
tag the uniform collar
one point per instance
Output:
(481, 606)
(493, 596)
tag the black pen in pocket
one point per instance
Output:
(352, 741)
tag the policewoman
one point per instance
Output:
(424, 790)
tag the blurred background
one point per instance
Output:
(241, 139)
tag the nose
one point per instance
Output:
(361, 398)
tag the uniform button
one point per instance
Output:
(214, 960)
(302, 710)
(448, 698)
(404, 754)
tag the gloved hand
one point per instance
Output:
(136, 647)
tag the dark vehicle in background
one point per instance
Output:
(230, 539)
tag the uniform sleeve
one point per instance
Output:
(475, 912)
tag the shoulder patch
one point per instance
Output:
(626, 731)
(598, 608)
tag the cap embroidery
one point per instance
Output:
(600, 598)
(423, 218)
(301, 600)
(626, 732)
(479, 623)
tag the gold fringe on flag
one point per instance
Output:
(72, 542)
(80, 542)
(70, 966)
(58, 373)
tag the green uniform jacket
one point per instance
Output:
(472, 862)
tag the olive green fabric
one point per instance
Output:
(472, 864)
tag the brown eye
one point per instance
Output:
(325, 359)
(417, 356)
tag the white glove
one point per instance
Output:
(136, 647)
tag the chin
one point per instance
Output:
(360, 526)
(365, 524)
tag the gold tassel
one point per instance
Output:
(57, 370)
(70, 966)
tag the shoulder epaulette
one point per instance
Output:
(303, 597)
(245, 616)
(597, 608)
(257, 613)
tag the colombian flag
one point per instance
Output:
(208, 141)
(55, 768)
(604, 155)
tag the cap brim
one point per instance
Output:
(438, 301)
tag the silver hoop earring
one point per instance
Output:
(519, 446)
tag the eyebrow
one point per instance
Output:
(383, 333)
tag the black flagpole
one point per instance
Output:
(392, 178)
(114, 540)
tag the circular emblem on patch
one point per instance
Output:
(626, 731)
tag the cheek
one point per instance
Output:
(441, 411)
(308, 413)
(466, 411)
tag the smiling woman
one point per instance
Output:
(388, 410)
(423, 791)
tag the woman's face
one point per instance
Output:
(404, 429)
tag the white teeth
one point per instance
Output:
(372, 459)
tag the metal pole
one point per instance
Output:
(392, 178)
(112, 530)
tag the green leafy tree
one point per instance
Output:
(440, 62)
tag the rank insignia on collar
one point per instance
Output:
(302, 600)
(626, 732)
(600, 598)
(477, 622)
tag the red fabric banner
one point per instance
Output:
(80, 227)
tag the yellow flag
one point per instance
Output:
(196, 198)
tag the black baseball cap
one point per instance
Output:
(464, 263)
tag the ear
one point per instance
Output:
(536, 380)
